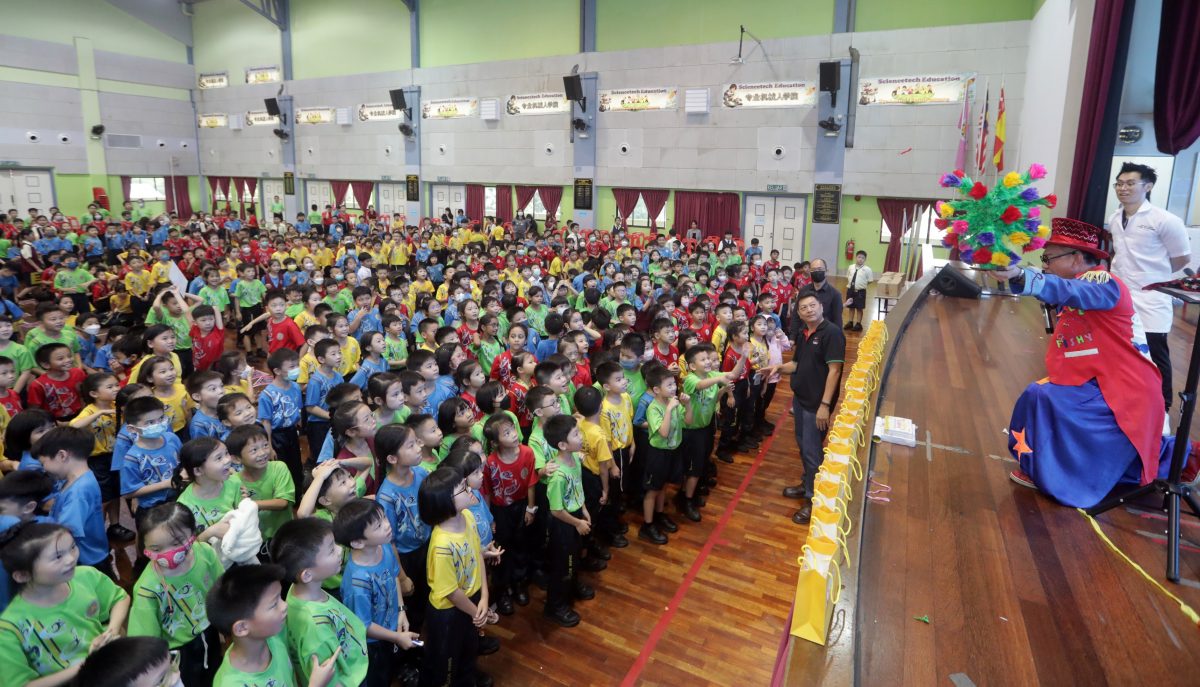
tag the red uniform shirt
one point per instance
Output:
(671, 357)
(206, 349)
(731, 360)
(284, 334)
(11, 401)
(517, 392)
(509, 483)
(60, 398)
(583, 374)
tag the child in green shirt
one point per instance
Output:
(246, 606)
(569, 522)
(267, 482)
(664, 418)
(213, 489)
(61, 611)
(168, 598)
(318, 625)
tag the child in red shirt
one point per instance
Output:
(57, 391)
(208, 337)
(10, 399)
(282, 331)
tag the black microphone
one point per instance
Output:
(1048, 315)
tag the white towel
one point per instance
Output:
(243, 541)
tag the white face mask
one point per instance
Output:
(318, 280)
(92, 329)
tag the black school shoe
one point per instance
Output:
(522, 596)
(120, 533)
(619, 541)
(584, 592)
(593, 565)
(488, 645)
(665, 523)
(482, 679)
(504, 605)
(600, 551)
(650, 533)
(686, 508)
(565, 617)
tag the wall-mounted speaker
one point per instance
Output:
(272, 107)
(951, 282)
(831, 76)
(397, 95)
(573, 87)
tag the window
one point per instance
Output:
(923, 225)
(352, 204)
(535, 206)
(489, 201)
(147, 188)
(640, 218)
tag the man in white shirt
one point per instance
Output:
(1149, 245)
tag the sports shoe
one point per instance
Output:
(1022, 479)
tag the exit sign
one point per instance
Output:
(776, 188)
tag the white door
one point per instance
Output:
(24, 189)
(391, 199)
(318, 193)
(271, 188)
(448, 196)
(778, 223)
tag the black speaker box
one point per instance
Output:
(397, 98)
(831, 76)
(573, 87)
(272, 107)
(951, 282)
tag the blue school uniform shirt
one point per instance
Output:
(366, 369)
(443, 388)
(143, 467)
(196, 284)
(116, 240)
(298, 278)
(159, 236)
(316, 391)
(545, 348)
(121, 447)
(422, 255)
(371, 321)
(335, 232)
(436, 272)
(483, 519)
(326, 449)
(43, 246)
(12, 309)
(9, 286)
(101, 359)
(639, 415)
(93, 247)
(137, 238)
(409, 531)
(204, 425)
(281, 407)
(370, 591)
(87, 346)
(302, 226)
(78, 508)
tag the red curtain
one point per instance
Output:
(525, 196)
(1177, 77)
(1104, 58)
(899, 213)
(126, 183)
(656, 200)
(236, 189)
(626, 200)
(213, 184)
(716, 213)
(504, 207)
(474, 202)
(362, 193)
(178, 200)
(219, 184)
(339, 192)
(551, 197)
(252, 191)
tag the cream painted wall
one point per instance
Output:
(230, 37)
(335, 38)
(109, 28)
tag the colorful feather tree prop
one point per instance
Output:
(993, 227)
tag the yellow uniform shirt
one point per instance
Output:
(456, 242)
(323, 257)
(556, 266)
(617, 421)
(299, 253)
(308, 363)
(304, 319)
(175, 407)
(104, 428)
(719, 339)
(437, 242)
(161, 272)
(454, 562)
(280, 255)
(596, 451)
(351, 355)
(137, 367)
(138, 283)
(498, 233)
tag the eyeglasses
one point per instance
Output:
(463, 490)
(1128, 184)
(1047, 259)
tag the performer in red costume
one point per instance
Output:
(1096, 420)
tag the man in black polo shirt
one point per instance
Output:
(816, 371)
(825, 292)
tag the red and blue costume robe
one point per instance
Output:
(1096, 421)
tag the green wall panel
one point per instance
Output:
(73, 192)
(470, 31)
(631, 24)
(60, 21)
(380, 42)
(229, 37)
(884, 15)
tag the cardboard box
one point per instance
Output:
(890, 285)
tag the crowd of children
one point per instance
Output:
(438, 417)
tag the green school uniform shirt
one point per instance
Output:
(319, 628)
(704, 402)
(217, 297)
(541, 447)
(637, 385)
(655, 415)
(36, 641)
(276, 483)
(209, 512)
(36, 338)
(564, 491)
(341, 302)
(279, 671)
(180, 325)
(21, 357)
(394, 350)
(293, 310)
(477, 428)
(249, 293)
(68, 281)
(334, 582)
(486, 353)
(172, 608)
(537, 318)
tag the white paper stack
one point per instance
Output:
(896, 430)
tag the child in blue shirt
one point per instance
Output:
(279, 409)
(372, 585)
(206, 388)
(399, 449)
(329, 356)
(64, 453)
(151, 461)
(470, 465)
(365, 316)
(21, 492)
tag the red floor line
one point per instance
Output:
(661, 626)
